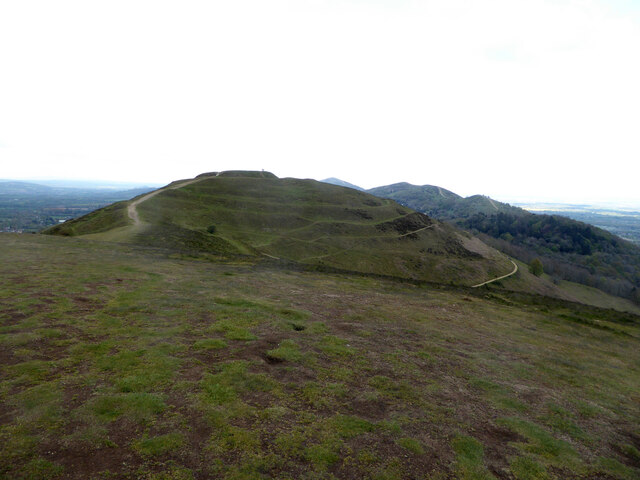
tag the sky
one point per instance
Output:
(516, 99)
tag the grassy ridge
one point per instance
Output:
(119, 361)
(304, 221)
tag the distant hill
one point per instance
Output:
(439, 202)
(87, 184)
(341, 183)
(10, 187)
(19, 188)
(569, 249)
(258, 215)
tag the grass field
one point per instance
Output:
(122, 361)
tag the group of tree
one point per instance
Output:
(568, 249)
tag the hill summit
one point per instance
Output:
(307, 222)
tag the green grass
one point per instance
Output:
(526, 468)
(335, 347)
(140, 407)
(288, 351)
(160, 366)
(411, 444)
(543, 445)
(563, 420)
(41, 404)
(500, 396)
(233, 378)
(613, 467)
(470, 459)
(29, 372)
(160, 445)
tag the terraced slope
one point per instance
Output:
(304, 221)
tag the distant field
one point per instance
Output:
(624, 223)
(30, 211)
(122, 361)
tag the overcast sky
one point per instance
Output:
(509, 98)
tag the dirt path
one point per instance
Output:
(366, 237)
(415, 231)
(132, 210)
(515, 269)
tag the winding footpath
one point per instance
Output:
(515, 269)
(132, 210)
(415, 231)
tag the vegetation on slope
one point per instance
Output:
(119, 361)
(302, 221)
(569, 249)
(624, 223)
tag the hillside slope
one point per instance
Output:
(121, 362)
(304, 221)
(569, 249)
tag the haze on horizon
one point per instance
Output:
(509, 98)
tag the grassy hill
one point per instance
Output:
(310, 223)
(569, 249)
(440, 203)
(132, 362)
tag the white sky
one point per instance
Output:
(510, 98)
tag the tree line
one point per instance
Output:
(568, 249)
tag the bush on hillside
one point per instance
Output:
(536, 267)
